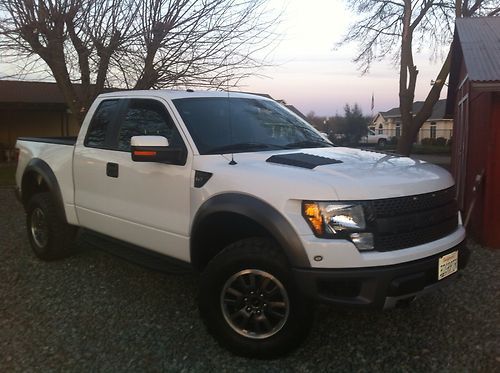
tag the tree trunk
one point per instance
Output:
(412, 124)
(407, 81)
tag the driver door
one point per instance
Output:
(144, 203)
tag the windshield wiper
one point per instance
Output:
(309, 144)
(242, 146)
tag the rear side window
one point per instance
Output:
(147, 117)
(101, 123)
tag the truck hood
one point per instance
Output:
(371, 175)
(358, 174)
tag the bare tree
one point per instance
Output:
(87, 45)
(394, 29)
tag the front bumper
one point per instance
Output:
(375, 287)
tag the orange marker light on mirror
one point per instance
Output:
(144, 153)
(313, 214)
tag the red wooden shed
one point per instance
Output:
(474, 102)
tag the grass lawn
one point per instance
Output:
(7, 174)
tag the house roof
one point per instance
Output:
(479, 39)
(296, 111)
(257, 94)
(48, 92)
(29, 92)
(283, 102)
(17, 91)
(437, 112)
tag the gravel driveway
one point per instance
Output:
(96, 312)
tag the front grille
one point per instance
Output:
(402, 240)
(403, 222)
(405, 205)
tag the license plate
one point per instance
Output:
(448, 264)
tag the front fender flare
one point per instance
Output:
(262, 213)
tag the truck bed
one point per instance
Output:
(68, 140)
(55, 154)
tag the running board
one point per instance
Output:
(132, 253)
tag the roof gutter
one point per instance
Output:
(486, 86)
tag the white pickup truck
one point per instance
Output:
(374, 139)
(272, 215)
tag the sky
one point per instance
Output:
(308, 72)
(311, 74)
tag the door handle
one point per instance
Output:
(112, 169)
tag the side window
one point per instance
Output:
(147, 117)
(101, 123)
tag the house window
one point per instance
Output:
(380, 129)
(433, 130)
(398, 129)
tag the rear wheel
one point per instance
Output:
(382, 143)
(49, 235)
(249, 301)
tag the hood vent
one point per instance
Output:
(301, 160)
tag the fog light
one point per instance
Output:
(362, 241)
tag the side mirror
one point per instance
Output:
(156, 149)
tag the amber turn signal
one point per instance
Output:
(312, 213)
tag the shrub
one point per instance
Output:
(427, 141)
(393, 140)
(440, 141)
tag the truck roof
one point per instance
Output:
(174, 94)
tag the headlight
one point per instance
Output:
(338, 220)
(331, 218)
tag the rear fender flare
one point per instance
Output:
(40, 169)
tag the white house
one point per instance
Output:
(389, 122)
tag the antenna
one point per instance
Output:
(232, 162)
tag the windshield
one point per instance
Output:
(223, 125)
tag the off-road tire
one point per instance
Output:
(262, 256)
(54, 238)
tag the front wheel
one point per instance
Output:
(49, 235)
(382, 143)
(249, 301)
